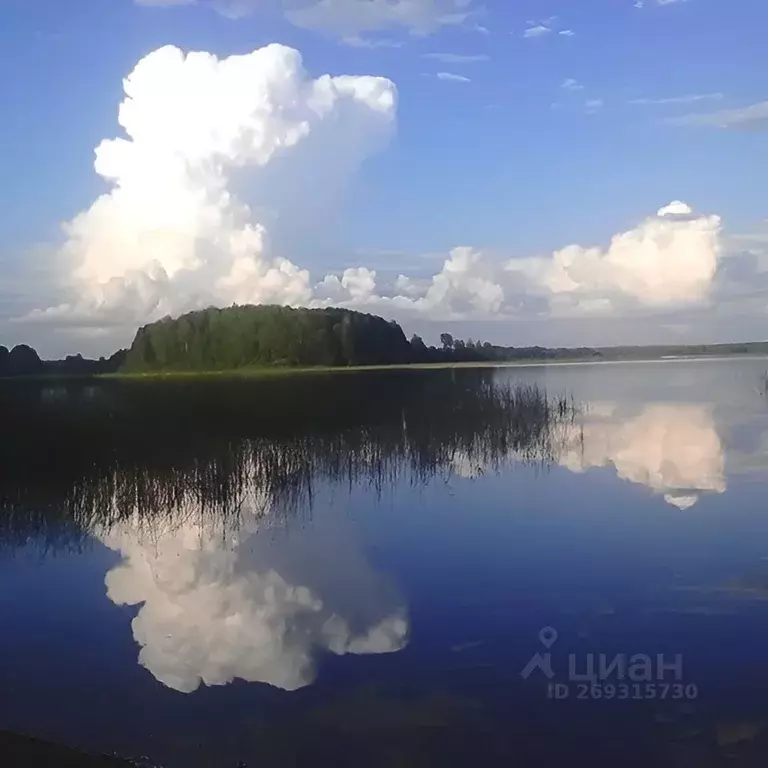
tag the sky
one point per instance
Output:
(517, 171)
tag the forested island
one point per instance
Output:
(257, 337)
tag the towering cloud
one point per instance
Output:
(172, 232)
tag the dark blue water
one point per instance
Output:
(385, 618)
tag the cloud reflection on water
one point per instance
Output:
(218, 605)
(673, 449)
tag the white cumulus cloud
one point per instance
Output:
(172, 233)
(670, 258)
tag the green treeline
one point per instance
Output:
(270, 336)
(253, 336)
(223, 339)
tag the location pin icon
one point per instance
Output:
(548, 637)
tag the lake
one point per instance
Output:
(512, 566)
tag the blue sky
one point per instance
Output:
(512, 142)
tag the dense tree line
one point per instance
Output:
(259, 336)
(22, 360)
(460, 351)
(240, 336)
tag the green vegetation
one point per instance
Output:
(222, 339)
(256, 337)
(119, 449)
(263, 338)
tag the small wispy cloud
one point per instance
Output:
(691, 98)
(483, 30)
(456, 58)
(343, 18)
(452, 77)
(750, 118)
(371, 43)
(643, 3)
(593, 105)
(572, 85)
(546, 27)
(537, 31)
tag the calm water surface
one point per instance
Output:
(361, 569)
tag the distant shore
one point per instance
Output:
(524, 363)
(267, 371)
(18, 750)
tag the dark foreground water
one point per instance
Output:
(418, 568)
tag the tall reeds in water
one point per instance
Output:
(77, 459)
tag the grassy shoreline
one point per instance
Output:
(248, 372)
(266, 371)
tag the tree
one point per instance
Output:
(419, 349)
(446, 340)
(24, 361)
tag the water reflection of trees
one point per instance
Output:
(77, 457)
